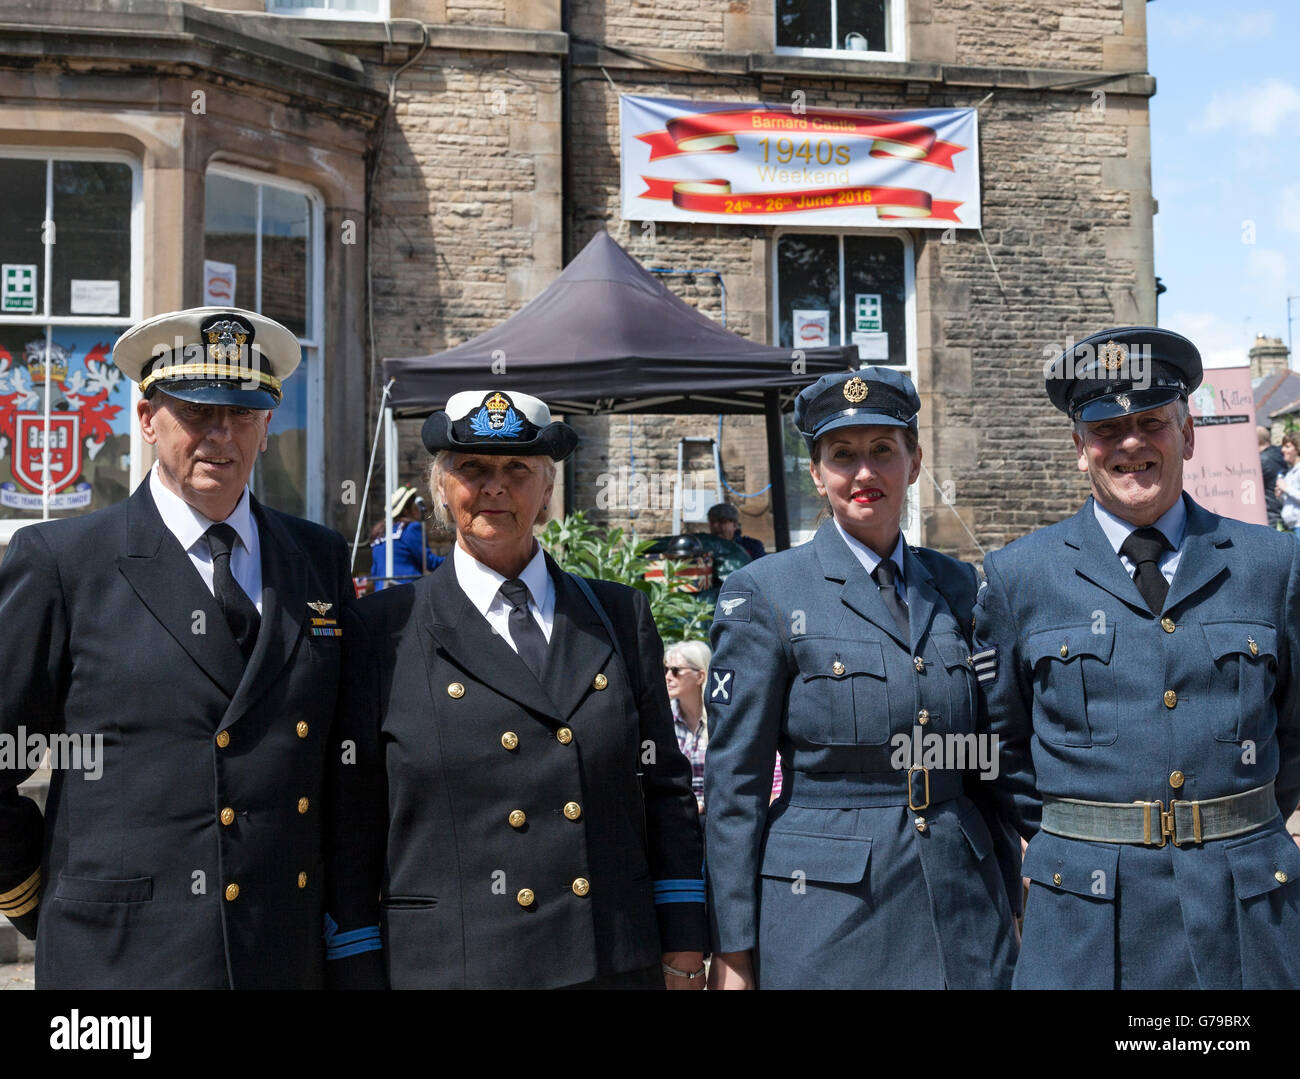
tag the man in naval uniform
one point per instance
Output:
(190, 633)
(1139, 666)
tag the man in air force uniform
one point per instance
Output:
(1138, 664)
(193, 634)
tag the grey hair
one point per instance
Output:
(438, 469)
(1182, 407)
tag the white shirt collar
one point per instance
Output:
(483, 585)
(869, 559)
(188, 525)
(1172, 524)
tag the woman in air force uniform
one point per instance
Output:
(877, 867)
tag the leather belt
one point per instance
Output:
(917, 788)
(1150, 824)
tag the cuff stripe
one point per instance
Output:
(21, 900)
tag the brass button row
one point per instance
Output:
(301, 728)
(518, 818)
(526, 897)
(510, 740)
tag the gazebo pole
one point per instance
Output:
(776, 469)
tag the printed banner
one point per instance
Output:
(786, 164)
(1224, 474)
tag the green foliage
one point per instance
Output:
(608, 555)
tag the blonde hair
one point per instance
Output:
(692, 654)
(438, 469)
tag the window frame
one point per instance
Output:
(896, 20)
(911, 522)
(313, 347)
(319, 12)
(135, 300)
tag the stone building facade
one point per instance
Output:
(475, 143)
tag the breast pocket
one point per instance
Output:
(1075, 702)
(1245, 671)
(840, 695)
(960, 689)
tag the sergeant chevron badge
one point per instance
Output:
(986, 665)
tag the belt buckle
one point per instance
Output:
(1164, 821)
(926, 773)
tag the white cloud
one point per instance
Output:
(1222, 342)
(1251, 24)
(1288, 214)
(1256, 110)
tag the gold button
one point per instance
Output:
(525, 897)
(1254, 648)
(918, 663)
(302, 880)
(1171, 698)
(600, 681)
(970, 661)
(227, 816)
(517, 818)
(1176, 779)
(303, 805)
(455, 691)
(564, 736)
(1167, 624)
(581, 886)
(1056, 879)
(232, 892)
(838, 667)
(572, 810)
(1280, 877)
(302, 728)
(223, 739)
(921, 826)
(510, 740)
(1065, 650)
(923, 717)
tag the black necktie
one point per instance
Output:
(241, 614)
(529, 640)
(885, 577)
(1143, 548)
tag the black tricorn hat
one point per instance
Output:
(498, 422)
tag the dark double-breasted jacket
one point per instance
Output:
(189, 855)
(488, 827)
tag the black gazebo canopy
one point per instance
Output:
(607, 336)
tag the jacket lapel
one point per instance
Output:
(1202, 558)
(455, 626)
(922, 597)
(162, 575)
(1096, 560)
(579, 649)
(284, 612)
(859, 592)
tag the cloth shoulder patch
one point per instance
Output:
(733, 607)
(986, 665)
(722, 685)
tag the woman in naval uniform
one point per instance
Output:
(876, 868)
(510, 808)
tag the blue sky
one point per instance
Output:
(1225, 169)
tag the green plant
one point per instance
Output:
(607, 554)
